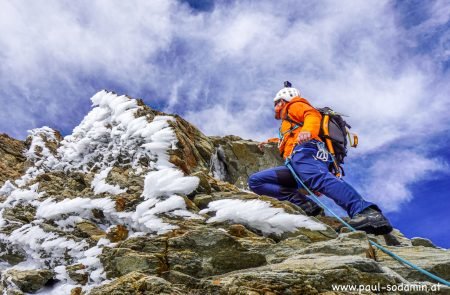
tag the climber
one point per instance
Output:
(302, 144)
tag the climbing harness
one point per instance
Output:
(321, 204)
(335, 134)
(322, 153)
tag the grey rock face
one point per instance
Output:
(121, 261)
(137, 283)
(236, 159)
(12, 160)
(422, 242)
(28, 280)
(205, 252)
(11, 253)
(194, 256)
(303, 274)
(436, 261)
(77, 273)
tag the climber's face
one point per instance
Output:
(278, 107)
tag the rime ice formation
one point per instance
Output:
(115, 133)
(259, 215)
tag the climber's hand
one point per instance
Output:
(261, 145)
(304, 136)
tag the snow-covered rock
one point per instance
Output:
(115, 196)
(135, 199)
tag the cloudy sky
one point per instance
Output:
(386, 64)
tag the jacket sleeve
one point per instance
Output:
(273, 139)
(303, 112)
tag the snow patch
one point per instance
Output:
(259, 215)
(45, 249)
(99, 184)
(112, 132)
(39, 153)
(17, 196)
(115, 133)
(218, 168)
(168, 181)
(82, 207)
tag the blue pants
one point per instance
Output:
(279, 183)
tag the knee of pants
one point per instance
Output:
(253, 182)
(315, 180)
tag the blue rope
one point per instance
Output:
(321, 204)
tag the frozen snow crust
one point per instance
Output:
(113, 134)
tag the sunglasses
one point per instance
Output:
(277, 102)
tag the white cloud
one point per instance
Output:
(114, 37)
(345, 54)
(51, 52)
(348, 55)
(387, 181)
(221, 69)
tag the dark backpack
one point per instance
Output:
(338, 136)
(334, 132)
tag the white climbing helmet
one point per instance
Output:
(287, 93)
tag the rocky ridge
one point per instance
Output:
(136, 201)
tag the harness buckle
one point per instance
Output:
(322, 153)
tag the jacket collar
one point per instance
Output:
(294, 100)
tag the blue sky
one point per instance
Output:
(219, 63)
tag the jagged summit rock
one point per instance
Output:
(135, 201)
(12, 159)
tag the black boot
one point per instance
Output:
(371, 221)
(310, 208)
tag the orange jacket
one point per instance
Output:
(299, 110)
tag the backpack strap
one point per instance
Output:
(289, 119)
(324, 134)
(294, 124)
(329, 143)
